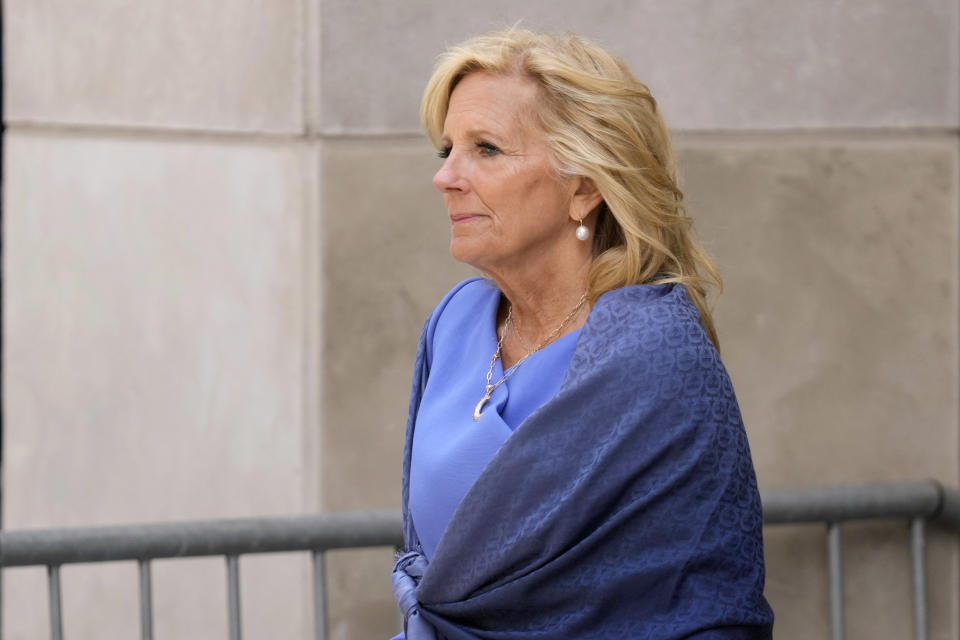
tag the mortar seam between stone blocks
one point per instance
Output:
(956, 280)
(699, 136)
(312, 50)
(321, 294)
(314, 289)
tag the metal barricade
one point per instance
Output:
(228, 538)
(913, 502)
(916, 503)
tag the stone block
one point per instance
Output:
(878, 587)
(745, 64)
(839, 318)
(361, 599)
(386, 265)
(839, 327)
(155, 294)
(179, 65)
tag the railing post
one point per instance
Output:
(319, 595)
(56, 610)
(233, 597)
(918, 547)
(146, 601)
(835, 561)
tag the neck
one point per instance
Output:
(541, 302)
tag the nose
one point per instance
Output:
(449, 177)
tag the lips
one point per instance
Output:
(457, 218)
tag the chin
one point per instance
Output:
(463, 250)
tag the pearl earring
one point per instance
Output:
(583, 232)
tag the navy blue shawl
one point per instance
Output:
(625, 507)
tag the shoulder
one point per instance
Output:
(648, 317)
(650, 333)
(465, 295)
(460, 305)
(644, 351)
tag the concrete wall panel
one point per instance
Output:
(154, 308)
(839, 319)
(386, 265)
(208, 65)
(838, 326)
(227, 328)
(746, 64)
(878, 581)
(362, 605)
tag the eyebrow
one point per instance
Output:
(481, 133)
(477, 133)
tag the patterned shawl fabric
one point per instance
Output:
(625, 507)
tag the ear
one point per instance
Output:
(586, 198)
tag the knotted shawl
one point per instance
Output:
(625, 507)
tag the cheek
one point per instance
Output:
(548, 196)
(522, 195)
(524, 185)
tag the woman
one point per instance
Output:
(575, 464)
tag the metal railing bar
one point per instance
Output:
(835, 562)
(319, 595)
(233, 597)
(200, 538)
(146, 601)
(383, 528)
(917, 502)
(918, 547)
(949, 512)
(56, 602)
(835, 504)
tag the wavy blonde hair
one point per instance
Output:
(602, 123)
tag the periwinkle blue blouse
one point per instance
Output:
(450, 449)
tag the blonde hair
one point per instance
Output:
(602, 123)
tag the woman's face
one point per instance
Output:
(508, 207)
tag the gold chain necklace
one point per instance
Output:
(490, 388)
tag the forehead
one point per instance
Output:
(486, 100)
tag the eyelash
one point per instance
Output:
(486, 149)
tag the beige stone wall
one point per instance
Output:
(221, 241)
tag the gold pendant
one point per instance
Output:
(478, 410)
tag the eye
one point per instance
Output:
(487, 149)
(445, 152)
